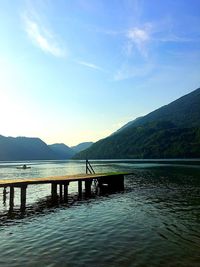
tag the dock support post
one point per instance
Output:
(54, 192)
(88, 184)
(66, 192)
(60, 185)
(4, 195)
(80, 189)
(11, 198)
(112, 184)
(23, 197)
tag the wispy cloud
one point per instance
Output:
(89, 65)
(128, 71)
(172, 38)
(138, 37)
(143, 36)
(42, 36)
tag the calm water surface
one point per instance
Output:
(154, 222)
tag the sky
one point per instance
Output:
(76, 71)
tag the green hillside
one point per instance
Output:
(173, 131)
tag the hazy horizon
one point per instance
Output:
(73, 72)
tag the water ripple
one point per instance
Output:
(155, 222)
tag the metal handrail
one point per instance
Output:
(89, 168)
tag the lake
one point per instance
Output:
(155, 221)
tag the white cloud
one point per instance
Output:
(89, 65)
(142, 37)
(138, 37)
(42, 37)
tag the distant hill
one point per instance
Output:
(23, 148)
(26, 148)
(172, 131)
(82, 146)
(62, 151)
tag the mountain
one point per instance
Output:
(82, 146)
(24, 148)
(172, 131)
(183, 112)
(127, 125)
(62, 151)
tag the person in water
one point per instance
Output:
(24, 166)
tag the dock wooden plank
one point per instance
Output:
(46, 180)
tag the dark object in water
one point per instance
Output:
(24, 167)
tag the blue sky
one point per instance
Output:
(75, 71)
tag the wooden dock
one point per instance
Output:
(113, 181)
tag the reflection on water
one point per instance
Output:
(154, 222)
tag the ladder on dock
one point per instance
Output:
(89, 168)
